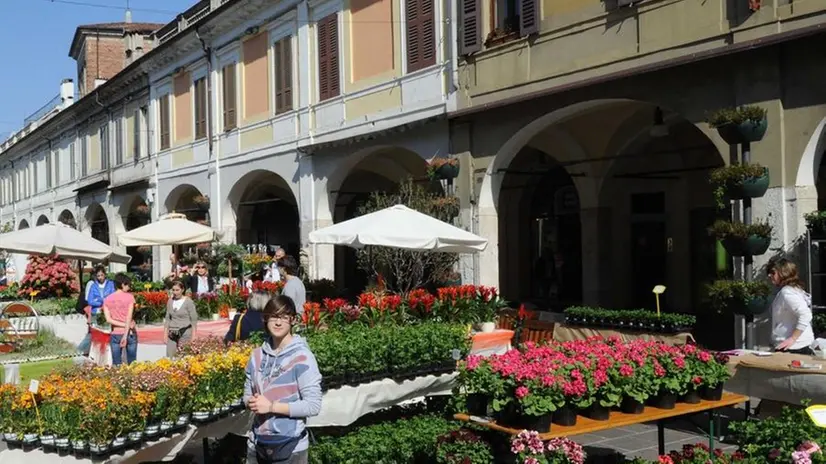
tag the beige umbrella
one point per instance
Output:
(59, 239)
(171, 229)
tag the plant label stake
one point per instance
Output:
(34, 386)
(658, 290)
(817, 414)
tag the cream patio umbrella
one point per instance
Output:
(400, 227)
(171, 229)
(62, 240)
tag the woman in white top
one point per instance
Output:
(791, 309)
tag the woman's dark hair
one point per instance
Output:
(100, 268)
(279, 306)
(786, 271)
(178, 283)
(289, 265)
(122, 279)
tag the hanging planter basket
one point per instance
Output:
(142, 212)
(740, 125)
(202, 202)
(753, 245)
(443, 168)
(751, 307)
(754, 187)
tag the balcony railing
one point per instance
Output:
(44, 110)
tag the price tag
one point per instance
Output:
(34, 385)
(818, 414)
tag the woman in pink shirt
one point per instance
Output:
(119, 309)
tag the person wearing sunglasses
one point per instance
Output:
(201, 282)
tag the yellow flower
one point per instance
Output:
(147, 286)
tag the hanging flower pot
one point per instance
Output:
(142, 211)
(739, 181)
(738, 297)
(816, 223)
(443, 168)
(740, 125)
(144, 250)
(201, 201)
(741, 239)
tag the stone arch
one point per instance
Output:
(181, 200)
(24, 224)
(98, 222)
(372, 169)
(43, 219)
(68, 218)
(265, 211)
(134, 213)
(809, 168)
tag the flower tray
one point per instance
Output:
(632, 326)
(333, 382)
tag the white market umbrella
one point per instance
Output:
(400, 227)
(171, 229)
(62, 240)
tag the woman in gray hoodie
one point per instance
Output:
(283, 389)
(791, 309)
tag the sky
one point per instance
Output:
(36, 35)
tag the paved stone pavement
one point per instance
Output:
(641, 440)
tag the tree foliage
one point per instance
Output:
(404, 270)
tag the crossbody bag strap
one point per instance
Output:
(238, 327)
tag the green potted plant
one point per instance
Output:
(201, 201)
(738, 297)
(816, 223)
(443, 168)
(739, 181)
(740, 125)
(743, 240)
(714, 373)
(463, 447)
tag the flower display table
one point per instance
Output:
(567, 333)
(619, 419)
(771, 378)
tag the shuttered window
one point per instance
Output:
(118, 140)
(528, 17)
(164, 122)
(230, 94)
(470, 34)
(283, 73)
(328, 71)
(421, 34)
(200, 108)
(103, 134)
(136, 135)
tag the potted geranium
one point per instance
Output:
(463, 447)
(530, 449)
(713, 372)
(443, 168)
(740, 125)
(739, 181)
(741, 239)
(738, 297)
(201, 201)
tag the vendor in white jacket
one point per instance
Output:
(791, 309)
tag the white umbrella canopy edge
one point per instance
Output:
(62, 240)
(170, 229)
(400, 227)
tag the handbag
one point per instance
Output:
(176, 334)
(277, 450)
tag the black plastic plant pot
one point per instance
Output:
(692, 397)
(753, 187)
(565, 416)
(712, 393)
(598, 412)
(752, 307)
(756, 245)
(631, 406)
(541, 424)
(752, 131)
(447, 171)
(663, 400)
(477, 404)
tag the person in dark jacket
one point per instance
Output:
(201, 282)
(250, 321)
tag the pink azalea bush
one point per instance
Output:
(544, 378)
(48, 276)
(530, 449)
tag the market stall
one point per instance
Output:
(774, 377)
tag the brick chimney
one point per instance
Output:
(100, 49)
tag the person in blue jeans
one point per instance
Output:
(97, 290)
(119, 309)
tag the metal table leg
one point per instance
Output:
(660, 437)
(205, 442)
(711, 418)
